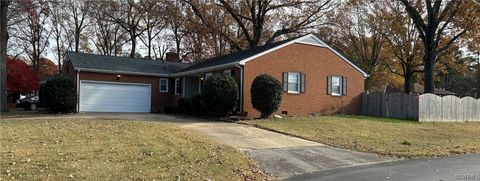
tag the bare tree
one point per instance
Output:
(154, 22)
(176, 22)
(3, 55)
(160, 50)
(31, 29)
(128, 14)
(57, 23)
(254, 18)
(108, 37)
(77, 11)
(432, 29)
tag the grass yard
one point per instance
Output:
(97, 149)
(382, 135)
(22, 113)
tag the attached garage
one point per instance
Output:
(97, 96)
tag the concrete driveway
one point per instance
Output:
(280, 155)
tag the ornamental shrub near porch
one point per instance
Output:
(266, 94)
(219, 95)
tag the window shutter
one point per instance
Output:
(285, 81)
(232, 73)
(329, 85)
(344, 85)
(302, 83)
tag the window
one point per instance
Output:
(228, 72)
(337, 85)
(208, 75)
(294, 82)
(178, 86)
(163, 85)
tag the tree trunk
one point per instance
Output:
(478, 75)
(134, 43)
(149, 47)
(59, 54)
(429, 63)
(77, 39)
(3, 55)
(409, 84)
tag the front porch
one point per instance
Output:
(191, 84)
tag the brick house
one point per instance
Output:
(316, 79)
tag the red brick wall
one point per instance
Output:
(69, 71)
(317, 63)
(159, 99)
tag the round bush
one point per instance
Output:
(219, 95)
(266, 94)
(60, 95)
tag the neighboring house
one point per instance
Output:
(419, 89)
(316, 79)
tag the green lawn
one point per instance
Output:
(382, 135)
(97, 149)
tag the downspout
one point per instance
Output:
(78, 90)
(241, 86)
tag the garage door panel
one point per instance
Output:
(104, 96)
(112, 101)
(114, 97)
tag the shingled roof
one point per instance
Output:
(235, 57)
(123, 64)
(155, 67)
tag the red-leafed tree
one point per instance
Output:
(20, 77)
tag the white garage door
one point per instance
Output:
(114, 97)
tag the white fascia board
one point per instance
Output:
(298, 40)
(312, 44)
(344, 58)
(122, 72)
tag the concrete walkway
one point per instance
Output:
(280, 155)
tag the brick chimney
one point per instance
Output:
(172, 57)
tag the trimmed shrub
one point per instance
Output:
(266, 94)
(196, 105)
(41, 96)
(184, 105)
(219, 95)
(60, 95)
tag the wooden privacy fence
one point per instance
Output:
(425, 107)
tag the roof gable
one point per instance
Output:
(309, 39)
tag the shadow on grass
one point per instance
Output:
(376, 118)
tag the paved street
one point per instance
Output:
(459, 167)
